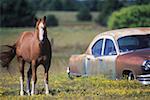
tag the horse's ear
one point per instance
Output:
(44, 18)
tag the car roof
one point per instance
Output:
(116, 34)
(125, 32)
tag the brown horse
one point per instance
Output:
(34, 48)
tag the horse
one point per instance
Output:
(33, 48)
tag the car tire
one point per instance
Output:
(128, 75)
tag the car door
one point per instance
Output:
(92, 64)
(102, 60)
(108, 58)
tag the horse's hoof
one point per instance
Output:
(29, 94)
(46, 93)
(22, 93)
(32, 93)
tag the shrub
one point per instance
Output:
(52, 20)
(84, 14)
(133, 16)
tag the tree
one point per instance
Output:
(132, 16)
(56, 5)
(69, 5)
(16, 13)
(93, 5)
(100, 5)
(52, 20)
(141, 2)
(110, 6)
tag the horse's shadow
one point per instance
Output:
(10, 93)
(51, 91)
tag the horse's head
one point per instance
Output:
(41, 28)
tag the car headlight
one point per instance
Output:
(146, 65)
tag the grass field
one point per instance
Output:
(67, 18)
(68, 40)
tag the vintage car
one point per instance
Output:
(117, 54)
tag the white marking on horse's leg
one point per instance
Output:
(33, 88)
(46, 87)
(28, 86)
(21, 87)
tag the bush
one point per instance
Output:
(16, 13)
(133, 16)
(84, 14)
(52, 20)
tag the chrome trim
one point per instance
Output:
(75, 74)
(144, 79)
(146, 65)
(72, 73)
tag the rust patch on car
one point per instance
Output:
(131, 61)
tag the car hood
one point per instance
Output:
(135, 57)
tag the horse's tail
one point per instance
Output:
(7, 55)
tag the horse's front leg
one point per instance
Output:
(29, 76)
(22, 63)
(46, 78)
(34, 77)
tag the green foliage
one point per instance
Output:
(133, 16)
(84, 14)
(69, 5)
(52, 20)
(110, 6)
(56, 5)
(16, 13)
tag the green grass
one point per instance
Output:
(81, 88)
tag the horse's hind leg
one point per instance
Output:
(22, 63)
(29, 76)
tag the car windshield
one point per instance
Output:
(135, 42)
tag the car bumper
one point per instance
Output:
(144, 79)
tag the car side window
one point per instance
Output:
(97, 48)
(109, 48)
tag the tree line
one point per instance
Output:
(20, 13)
(75, 5)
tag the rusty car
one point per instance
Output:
(117, 54)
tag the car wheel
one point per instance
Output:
(128, 75)
(69, 75)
